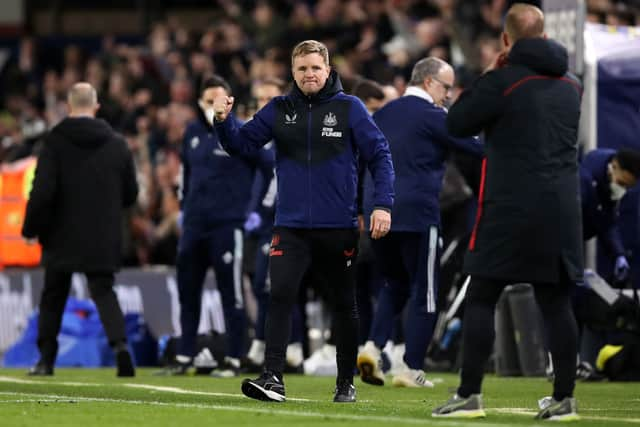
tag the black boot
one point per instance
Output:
(345, 391)
(41, 369)
(124, 362)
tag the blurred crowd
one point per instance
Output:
(147, 91)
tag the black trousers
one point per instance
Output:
(53, 299)
(332, 252)
(479, 332)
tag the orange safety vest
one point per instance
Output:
(15, 185)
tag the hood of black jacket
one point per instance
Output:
(332, 86)
(544, 56)
(85, 132)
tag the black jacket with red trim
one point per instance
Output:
(529, 225)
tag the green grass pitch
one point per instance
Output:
(95, 397)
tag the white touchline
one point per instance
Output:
(177, 390)
(251, 410)
(165, 389)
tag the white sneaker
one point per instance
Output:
(322, 362)
(411, 378)
(229, 369)
(204, 362)
(294, 354)
(256, 352)
(397, 359)
(369, 364)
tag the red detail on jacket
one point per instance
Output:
(529, 78)
(472, 241)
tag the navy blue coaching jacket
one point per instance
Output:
(599, 216)
(419, 142)
(318, 140)
(216, 187)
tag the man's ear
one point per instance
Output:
(544, 36)
(505, 40)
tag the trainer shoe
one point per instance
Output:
(229, 368)
(322, 362)
(255, 355)
(204, 362)
(345, 391)
(173, 369)
(368, 364)
(124, 364)
(40, 369)
(460, 407)
(178, 367)
(552, 410)
(268, 387)
(411, 378)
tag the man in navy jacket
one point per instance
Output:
(216, 189)
(319, 133)
(409, 254)
(605, 175)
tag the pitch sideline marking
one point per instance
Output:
(167, 389)
(251, 410)
(177, 390)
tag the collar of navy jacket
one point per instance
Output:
(419, 92)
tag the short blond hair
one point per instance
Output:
(308, 47)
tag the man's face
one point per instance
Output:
(265, 93)
(310, 73)
(209, 95)
(439, 86)
(621, 176)
(373, 104)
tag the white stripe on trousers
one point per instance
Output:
(237, 267)
(431, 266)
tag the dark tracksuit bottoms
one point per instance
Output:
(57, 285)
(261, 290)
(333, 252)
(220, 248)
(479, 332)
(410, 262)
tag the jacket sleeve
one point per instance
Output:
(612, 240)
(265, 163)
(249, 138)
(43, 192)
(374, 149)
(186, 170)
(471, 145)
(129, 179)
(477, 107)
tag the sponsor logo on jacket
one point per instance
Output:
(290, 119)
(328, 122)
